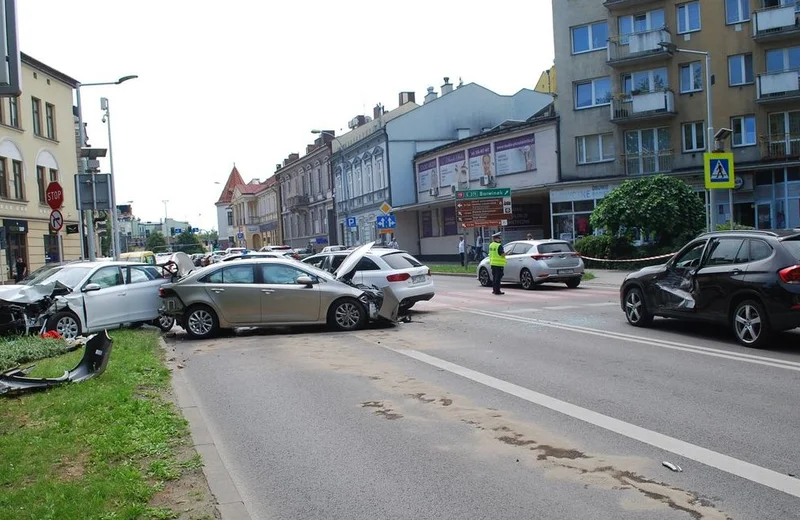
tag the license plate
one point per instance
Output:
(566, 271)
(418, 279)
(372, 309)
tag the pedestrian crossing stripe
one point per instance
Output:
(719, 172)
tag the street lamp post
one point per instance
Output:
(344, 180)
(90, 238)
(115, 249)
(166, 230)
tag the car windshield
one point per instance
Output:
(67, 275)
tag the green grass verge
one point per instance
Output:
(588, 276)
(472, 270)
(15, 350)
(100, 449)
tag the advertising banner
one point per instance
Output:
(480, 162)
(426, 175)
(450, 224)
(452, 168)
(515, 155)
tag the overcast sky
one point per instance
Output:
(245, 81)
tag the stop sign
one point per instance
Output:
(54, 195)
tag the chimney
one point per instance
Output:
(278, 166)
(447, 87)
(406, 97)
(431, 95)
(377, 112)
(310, 147)
(294, 156)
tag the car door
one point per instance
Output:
(142, 297)
(672, 291)
(722, 273)
(368, 273)
(513, 261)
(106, 306)
(234, 293)
(283, 300)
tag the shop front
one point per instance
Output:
(16, 238)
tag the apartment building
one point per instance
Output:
(632, 101)
(37, 146)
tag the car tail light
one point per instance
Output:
(165, 292)
(790, 274)
(540, 257)
(399, 277)
(429, 272)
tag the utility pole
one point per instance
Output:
(166, 229)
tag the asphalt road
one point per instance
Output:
(537, 404)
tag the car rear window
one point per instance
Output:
(555, 247)
(793, 246)
(401, 261)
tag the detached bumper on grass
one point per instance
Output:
(93, 363)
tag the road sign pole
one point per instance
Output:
(60, 242)
(730, 203)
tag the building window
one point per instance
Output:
(50, 119)
(645, 81)
(590, 37)
(744, 130)
(16, 169)
(595, 148)
(13, 112)
(648, 151)
(36, 109)
(740, 69)
(689, 17)
(737, 11)
(3, 178)
(53, 175)
(691, 77)
(230, 218)
(639, 23)
(780, 60)
(693, 137)
(593, 93)
(41, 181)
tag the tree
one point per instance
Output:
(156, 242)
(188, 243)
(661, 205)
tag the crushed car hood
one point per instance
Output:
(25, 294)
(347, 268)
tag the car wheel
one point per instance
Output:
(574, 283)
(165, 323)
(66, 324)
(347, 314)
(483, 277)
(201, 322)
(636, 309)
(526, 280)
(751, 325)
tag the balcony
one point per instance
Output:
(639, 48)
(777, 87)
(643, 106)
(776, 23)
(780, 147)
(297, 201)
(646, 163)
(613, 5)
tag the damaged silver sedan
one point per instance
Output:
(275, 292)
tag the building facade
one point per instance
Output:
(632, 102)
(547, 82)
(306, 193)
(226, 228)
(37, 146)
(248, 214)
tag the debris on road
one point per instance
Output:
(672, 466)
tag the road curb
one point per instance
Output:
(462, 275)
(228, 500)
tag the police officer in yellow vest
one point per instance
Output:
(497, 259)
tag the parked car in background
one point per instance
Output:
(145, 257)
(534, 262)
(273, 292)
(285, 250)
(410, 279)
(747, 280)
(251, 255)
(331, 249)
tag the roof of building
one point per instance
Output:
(234, 180)
(36, 64)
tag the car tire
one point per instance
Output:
(526, 280)
(483, 277)
(347, 314)
(201, 322)
(573, 283)
(749, 334)
(66, 324)
(636, 311)
(165, 323)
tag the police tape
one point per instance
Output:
(646, 259)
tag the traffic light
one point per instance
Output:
(172, 231)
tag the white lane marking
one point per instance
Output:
(726, 463)
(707, 351)
(561, 307)
(601, 304)
(523, 311)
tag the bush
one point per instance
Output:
(620, 248)
(727, 227)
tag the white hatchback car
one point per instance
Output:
(410, 280)
(533, 262)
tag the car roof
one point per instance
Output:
(119, 263)
(775, 233)
(375, 252)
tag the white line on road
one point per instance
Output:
(601, 304)
(561, 307)
(740, 468)
(523, 311)
(706, 351)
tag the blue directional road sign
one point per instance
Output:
(178, 231)
(195, 230)
(240, 235)
(386, 221)
(351, 222)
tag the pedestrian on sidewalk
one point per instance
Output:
(497, 260)
(21, 269)
(461, 250)
(529, 237)
(479, 248)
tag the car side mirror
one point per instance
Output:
(91, 287)
(305, 280)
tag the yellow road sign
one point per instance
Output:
(719, 171)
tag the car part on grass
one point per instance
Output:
(93, 363)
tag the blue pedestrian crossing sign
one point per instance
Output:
(351, 222)
(719, 171)
(386, 221)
